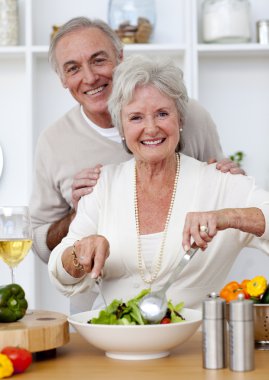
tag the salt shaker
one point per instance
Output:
(241, 335)
(214, 332)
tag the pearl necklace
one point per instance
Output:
(153, 275)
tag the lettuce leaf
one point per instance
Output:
(121, 313)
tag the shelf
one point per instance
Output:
(247, 49)
(156, 48)
(173, 49)
(40, 51)
(7, 52)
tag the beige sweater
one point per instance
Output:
(70, 145)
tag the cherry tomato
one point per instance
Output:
(165, 320)
(20, 357)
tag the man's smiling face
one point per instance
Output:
(86, 59)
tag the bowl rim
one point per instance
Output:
(198, 318)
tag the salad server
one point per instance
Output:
(153, 306)
(98, 281)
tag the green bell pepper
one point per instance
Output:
(13, 304)
(265, 297)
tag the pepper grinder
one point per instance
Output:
(241, 335)
(214, 332)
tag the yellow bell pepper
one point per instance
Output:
(257, 286)
(6, 366)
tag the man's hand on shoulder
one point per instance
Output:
(59, 230)
(84, 182)
(226, 165)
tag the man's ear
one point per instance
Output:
(61, 77)
(63, 81)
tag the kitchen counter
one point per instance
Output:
(78, 360)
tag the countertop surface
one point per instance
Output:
(78, 360)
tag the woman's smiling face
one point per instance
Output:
(150, 125)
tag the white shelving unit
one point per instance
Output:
(231, 81)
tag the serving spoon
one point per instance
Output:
(153, 306)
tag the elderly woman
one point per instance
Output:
(145, 212)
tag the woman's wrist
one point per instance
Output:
(70, 263)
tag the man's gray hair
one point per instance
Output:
(78, 23)
(138, 70)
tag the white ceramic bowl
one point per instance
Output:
(136, 342)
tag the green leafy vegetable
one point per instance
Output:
(174, 310)
(120, 313)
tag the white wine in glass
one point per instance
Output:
(16, 235)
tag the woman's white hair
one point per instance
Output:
(138, 70)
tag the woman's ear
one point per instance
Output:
(121, 56)
(180, 125)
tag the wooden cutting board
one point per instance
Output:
(38, 331)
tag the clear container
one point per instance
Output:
(8, 22)
(133, 20)
(263, 32)
(226, 21)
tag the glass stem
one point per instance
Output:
(12, 275)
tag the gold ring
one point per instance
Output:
(204, 229)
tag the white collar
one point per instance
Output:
(110, 133)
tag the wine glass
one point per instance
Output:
(16, 235)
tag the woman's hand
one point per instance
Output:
(84, 183)
(91, 253)
(203, 226)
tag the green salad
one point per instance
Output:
(121, 313)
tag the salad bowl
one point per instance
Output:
(136, 342)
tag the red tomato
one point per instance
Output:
(20, 357)
(165, 320)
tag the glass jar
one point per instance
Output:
(263, 32)
(8, 22)
(226, 21)
(55, 30)
(133, 20)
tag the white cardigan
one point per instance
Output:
(109, 211)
